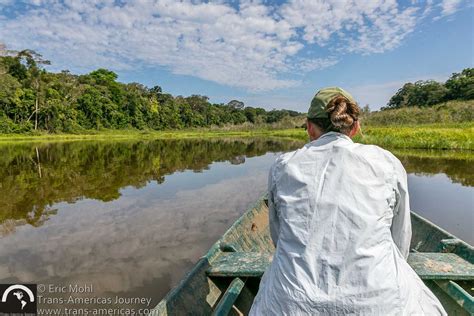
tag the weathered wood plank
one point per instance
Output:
(429, 266)
(441, 266)
(458, 294)
(240, 264)
(230, 296)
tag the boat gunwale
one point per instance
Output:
(205, 259)
(215, 249)
(467, 254)
(448, 234)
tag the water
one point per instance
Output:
(441, 187)
(129, 218)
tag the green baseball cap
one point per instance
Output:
(317, 109)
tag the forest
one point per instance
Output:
(33, 99)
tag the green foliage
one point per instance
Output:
(457, 136)
(33, 99)
(448, 112)
(236, 104)
(251, 114)
(276, 115)
(460, 86)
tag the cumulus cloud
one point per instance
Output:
(449, 7)
(243, 48)
(361, 26)
(247, 45)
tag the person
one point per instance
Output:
(340, 220)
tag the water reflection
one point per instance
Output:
(139, 245)
(449, 205)
(132, 217)
(441, 185)
(456, 165)
(33, 178)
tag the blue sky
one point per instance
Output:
(272, 54)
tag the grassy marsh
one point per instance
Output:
(459, 136)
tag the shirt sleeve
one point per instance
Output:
(401, 223)
(272, 211)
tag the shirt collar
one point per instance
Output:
(329, 137)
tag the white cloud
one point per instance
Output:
(361, 26)
(246, 48)
(449, 7)
(311, 64)
(250, 46)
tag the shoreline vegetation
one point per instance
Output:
(39, 106)
(459, 136)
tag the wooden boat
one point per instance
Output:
(225, 281)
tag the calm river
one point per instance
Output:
(129, 218)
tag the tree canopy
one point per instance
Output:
(32, 98)
(460, 86)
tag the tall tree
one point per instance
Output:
(236, 104)
(3, 50)
(34, 62)
(461, 85)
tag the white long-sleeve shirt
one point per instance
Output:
(340, 220)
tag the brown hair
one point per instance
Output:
(343, 113)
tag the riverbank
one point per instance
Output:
(136, 134)
(431, 136)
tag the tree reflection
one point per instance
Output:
(34, 177)
(457, 165)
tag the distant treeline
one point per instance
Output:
(460, 86)
(32, 98)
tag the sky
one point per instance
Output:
(270, 54)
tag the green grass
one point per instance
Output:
(431, 136)
(135, 134)
(457, 111)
